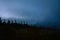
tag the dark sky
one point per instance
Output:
(42, 11)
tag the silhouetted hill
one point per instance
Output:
(15, 31)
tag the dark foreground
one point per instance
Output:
(25, 32)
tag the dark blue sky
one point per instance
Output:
(43, 11)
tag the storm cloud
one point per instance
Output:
(37, 10)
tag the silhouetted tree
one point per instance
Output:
(20, 22)
(15, 22)
(0, 20)
(4, 22)
(24, 22)
(8, 22)
(12, 22)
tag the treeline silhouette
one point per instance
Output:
(14, 24)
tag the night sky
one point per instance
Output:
(39, 11)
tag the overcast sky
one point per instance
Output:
(39, 10)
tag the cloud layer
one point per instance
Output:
(38, 10)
